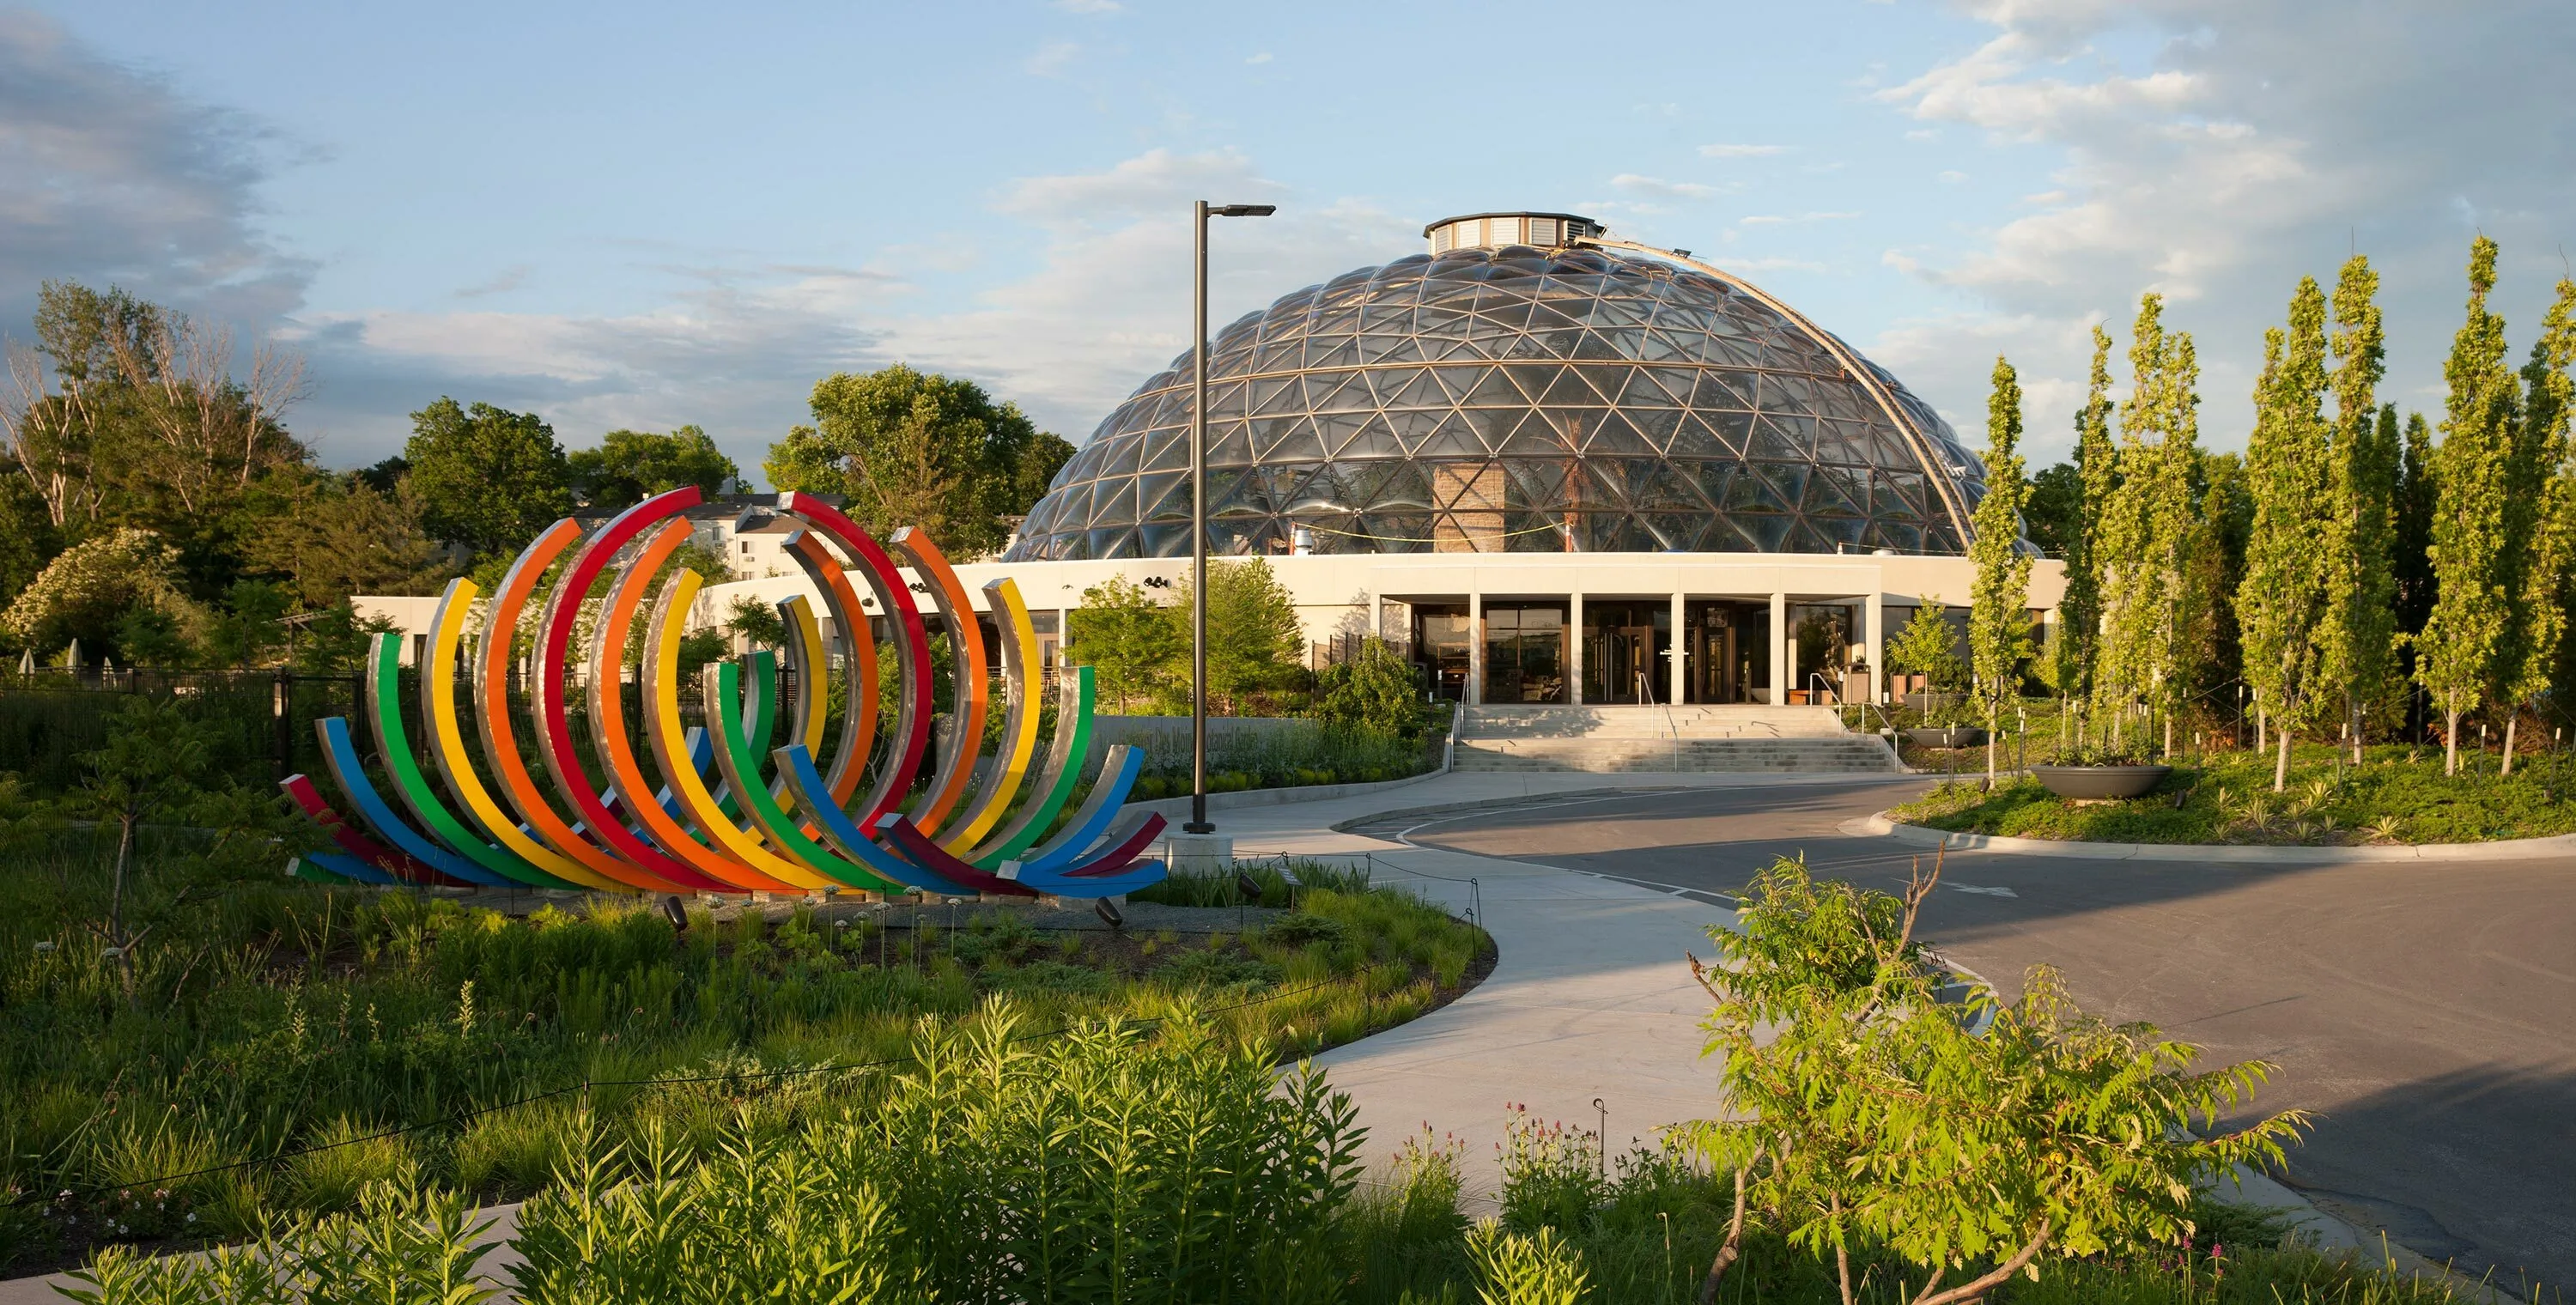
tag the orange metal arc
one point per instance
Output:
(492, 723)
(608, 721)
(966, 645)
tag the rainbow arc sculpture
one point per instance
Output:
(715, 808)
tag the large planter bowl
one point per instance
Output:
(2101, 781)
(1951, 736)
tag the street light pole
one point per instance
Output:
(1200, 212)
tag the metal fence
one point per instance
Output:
(259, 723)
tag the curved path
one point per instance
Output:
(2425, 1011)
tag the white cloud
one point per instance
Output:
(1090, 8)
(501, 283)
(1263, 57)
(1772, 265)
(1951, 177)
(1052, 58)
(1660, 188)
(1156, 181)
(2215, 152)
(111, 175)
(1740, 151)
(736, 350)
(1792, 219)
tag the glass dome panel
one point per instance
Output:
(1520, 400)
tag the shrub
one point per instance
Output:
(1301, 929)
(1871, 1112)
(1099, 1165)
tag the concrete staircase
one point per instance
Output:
(1669, 739)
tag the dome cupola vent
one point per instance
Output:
(1496, 230)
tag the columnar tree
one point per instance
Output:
(2361, 630)
(1999, 599)
(2285, 603)
(2079, 613)
(2537, 524)
(2472, 475)
(2147, 528)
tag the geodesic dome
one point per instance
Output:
(1500, 396)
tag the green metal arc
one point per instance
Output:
(741, 766)
(393, 743)
(764, 715)
(1064, 762)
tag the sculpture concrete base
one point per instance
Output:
(1199, 854)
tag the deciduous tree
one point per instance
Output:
(2537, 522)
(630, 466)
(2472, 471)
(1256, 644)
(2098, 463)
(84, 592)
(1129, 640)
(1860, 1108)
(2285, 602)
(1999, 601)
(2361, 632)
(487, 478)
(2147, 529)
(908, 448)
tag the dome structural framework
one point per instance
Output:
(1531, 388)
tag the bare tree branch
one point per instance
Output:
(1734, 1246)
(1976, 1288)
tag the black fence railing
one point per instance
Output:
(259, 724)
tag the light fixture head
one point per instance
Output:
(1243, 210)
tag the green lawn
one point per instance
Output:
(2397, 795)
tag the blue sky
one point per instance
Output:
(644, 215)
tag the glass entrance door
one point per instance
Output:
(1442, 641)
(1821, 649)
(1624, 643)
(1729, 644)
(1524, 652)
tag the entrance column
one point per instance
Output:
(1475, 694)
(1678, 653)
(1780, 668)
(1377, 618)
(1574, 648)
(1873, 616)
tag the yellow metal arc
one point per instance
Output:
(447, 745)
(669, 737)
(813, 666)
(608, 722)
(1019, 724)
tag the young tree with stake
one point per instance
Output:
(1999, 601)
(2079, 613)
(2147, 527)
(2360, 643)
(2537, 527)
(2284, 602)
(2471, 473)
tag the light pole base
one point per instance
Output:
(1199, 852)
(1198, 827)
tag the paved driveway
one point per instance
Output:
(2425, 1011)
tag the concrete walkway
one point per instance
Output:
(1591, 1000)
